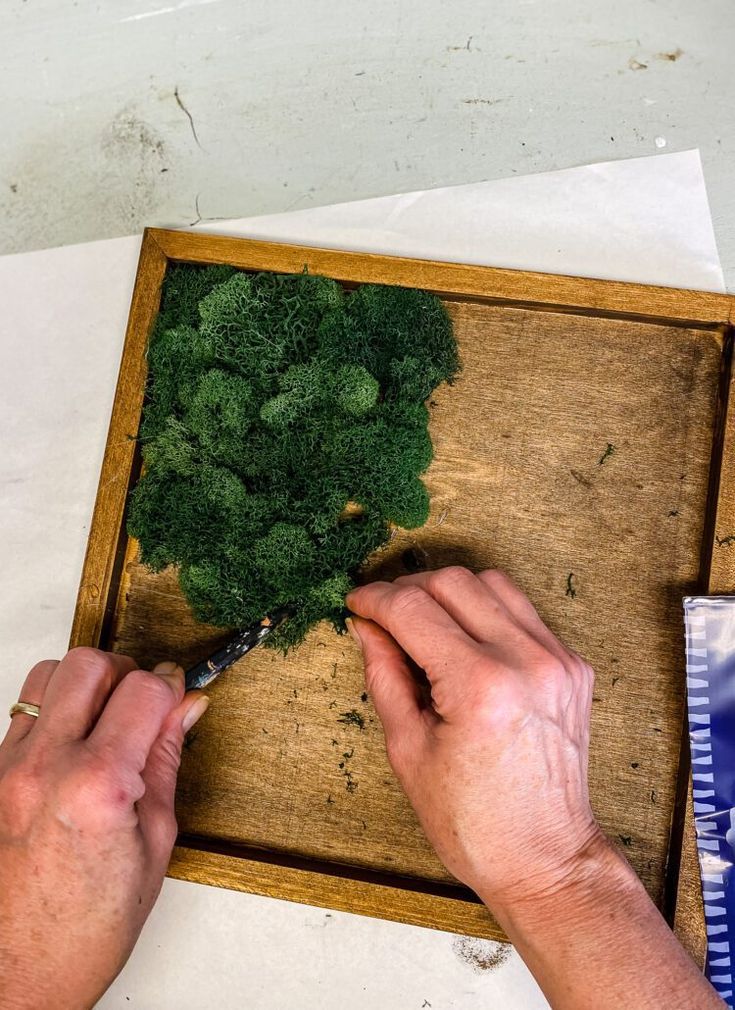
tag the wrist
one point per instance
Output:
(31, 989)
(593, 937)
(584, 881)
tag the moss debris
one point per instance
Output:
(352, 718)
(273, 400)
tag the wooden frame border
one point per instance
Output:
(550, 292)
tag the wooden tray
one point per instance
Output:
(586, 449)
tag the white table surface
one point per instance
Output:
(296, 105)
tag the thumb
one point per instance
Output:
(156, 807)
(388, 678)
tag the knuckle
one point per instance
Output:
(547, 666)
(90, 780)
(449, 578)
(169, 829)
(395, 748)
(40, 668)
(582, 667)
(92, 661)
(149, 686)
(372, 675)
(20, 787)
(408, 598)
(377, 677)
(537, 661)
(170, 750)
(495, 579)
(499, 708)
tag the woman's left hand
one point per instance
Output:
(86, 822)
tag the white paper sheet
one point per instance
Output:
(644, 220)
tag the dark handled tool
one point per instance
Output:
(238, 646)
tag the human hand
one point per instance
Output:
(496, 769)
(86, 822)
(496, 765)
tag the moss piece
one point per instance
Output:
(282, 411)
(283, 559)
(309, 383)
(325, 601)
(171, 450)
(177, 356)
(406, 504)
(262, 322)
(273, 401)
(382, 325)
(219, 595)
(181, 519)
(184, 287)
(220, 414)
(355, 391)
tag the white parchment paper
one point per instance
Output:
(644, 220)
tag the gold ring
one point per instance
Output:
(25, 708)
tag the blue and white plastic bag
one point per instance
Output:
(710, 650)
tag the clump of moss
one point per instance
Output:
(273, 401)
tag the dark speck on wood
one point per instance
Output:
(352, 718)
(581, 479)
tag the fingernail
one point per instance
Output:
(166, 669)
(194, 712)
(352, 628)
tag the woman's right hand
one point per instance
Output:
(495, 765)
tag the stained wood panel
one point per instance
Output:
(576, 452)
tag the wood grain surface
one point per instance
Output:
(575, 452)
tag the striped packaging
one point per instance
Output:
(710, 657)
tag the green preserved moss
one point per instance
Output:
(273, 401)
